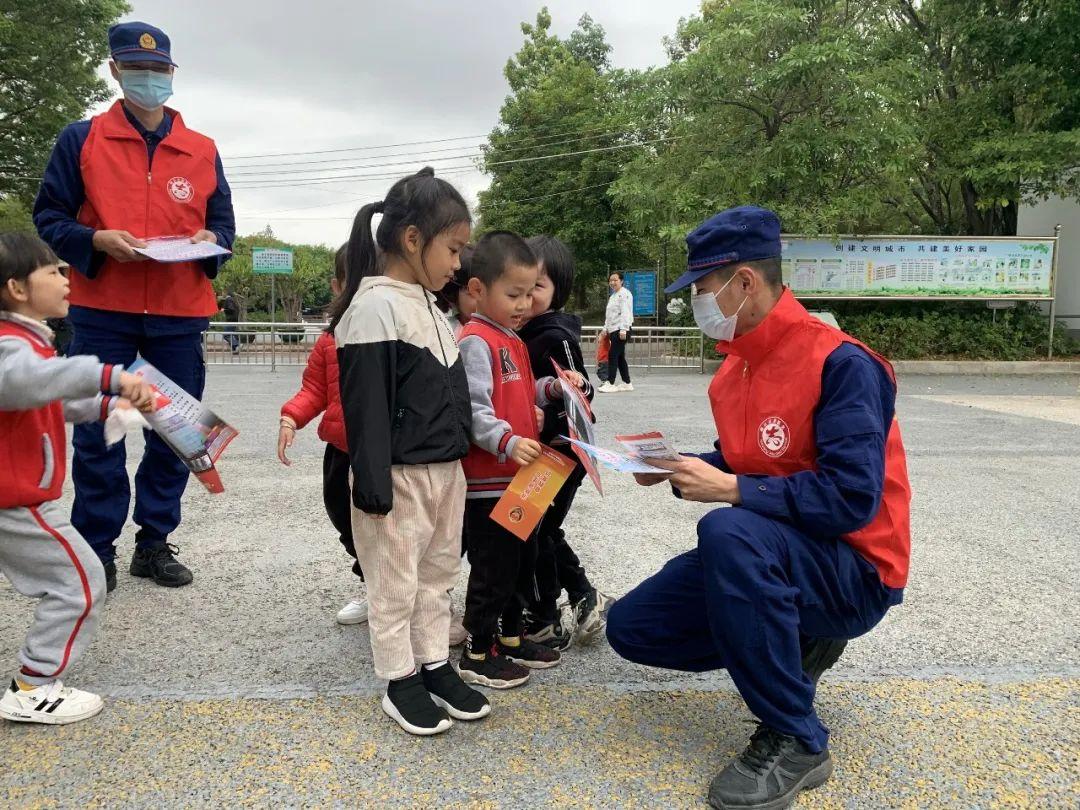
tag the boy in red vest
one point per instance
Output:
(505, 435)
(41, 554)
(817, 548)
(134, 173)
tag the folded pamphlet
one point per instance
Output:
(194, 432)
(522, 506)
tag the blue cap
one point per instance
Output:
(736, 235)
(139, 42)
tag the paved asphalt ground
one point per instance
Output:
(241, 689)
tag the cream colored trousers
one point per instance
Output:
(411, 560)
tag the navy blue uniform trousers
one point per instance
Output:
(742, 601)
(102, 490)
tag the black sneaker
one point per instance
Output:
(550, 634)
(493, 670)
(408, 703)
(449, 691)
(110, 576)
(818, 654)
(530, 654)
(590, 616)
(767, 775)
(161, 565)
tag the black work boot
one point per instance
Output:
(110, 576)
(160, 565)
(819, 654)
(769, 773)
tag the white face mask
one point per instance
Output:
(710, 318)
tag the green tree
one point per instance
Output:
(49, 54)
(14, 215)
(792, 105)
(307, 286)
(560, 102)
(998, 107)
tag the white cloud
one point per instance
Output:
(275, 76)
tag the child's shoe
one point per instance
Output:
(356, 612)
(53, 704)
(550, 634)
(529, 653)
(408, 703)
(493, 670)
(449, 691)
(590, 616)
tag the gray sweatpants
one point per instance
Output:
(46, 559)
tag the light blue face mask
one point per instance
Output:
(146, 89)
(711, 319)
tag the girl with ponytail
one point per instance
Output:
(405, 401)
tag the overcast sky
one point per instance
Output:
(264, 77)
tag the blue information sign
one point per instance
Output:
(642, 285)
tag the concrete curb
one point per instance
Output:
(971, 368)
(987, 367)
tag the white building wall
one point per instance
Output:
(1039, 220)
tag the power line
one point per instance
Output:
(473, 153)
(561, 193)
(483, 136)
(311, 181)
(355, 148)
(508, 202)
(320, 181)
(342, 159)
(366, 197)
(355, 166)
(351, 179)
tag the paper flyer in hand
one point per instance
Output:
(194, 432)
(179, 249)
(522, 506)
(618, 462)
(579, 420)
(649, 445)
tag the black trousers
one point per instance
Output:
(338, 499)
(557, 566)
(617, 358)
(501, 571)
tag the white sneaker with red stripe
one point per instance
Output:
(53, 704)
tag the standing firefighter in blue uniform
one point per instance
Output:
(133, 173)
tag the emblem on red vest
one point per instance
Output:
(181, 190)
(774, 438)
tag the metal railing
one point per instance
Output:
(652, 347)
(288, 344)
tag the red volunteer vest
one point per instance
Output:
(32, 443)
(513, 396)
(763, 400)
(122, 193)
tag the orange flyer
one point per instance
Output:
(529, 495)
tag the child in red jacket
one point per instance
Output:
(320, 393)
(41, 554)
